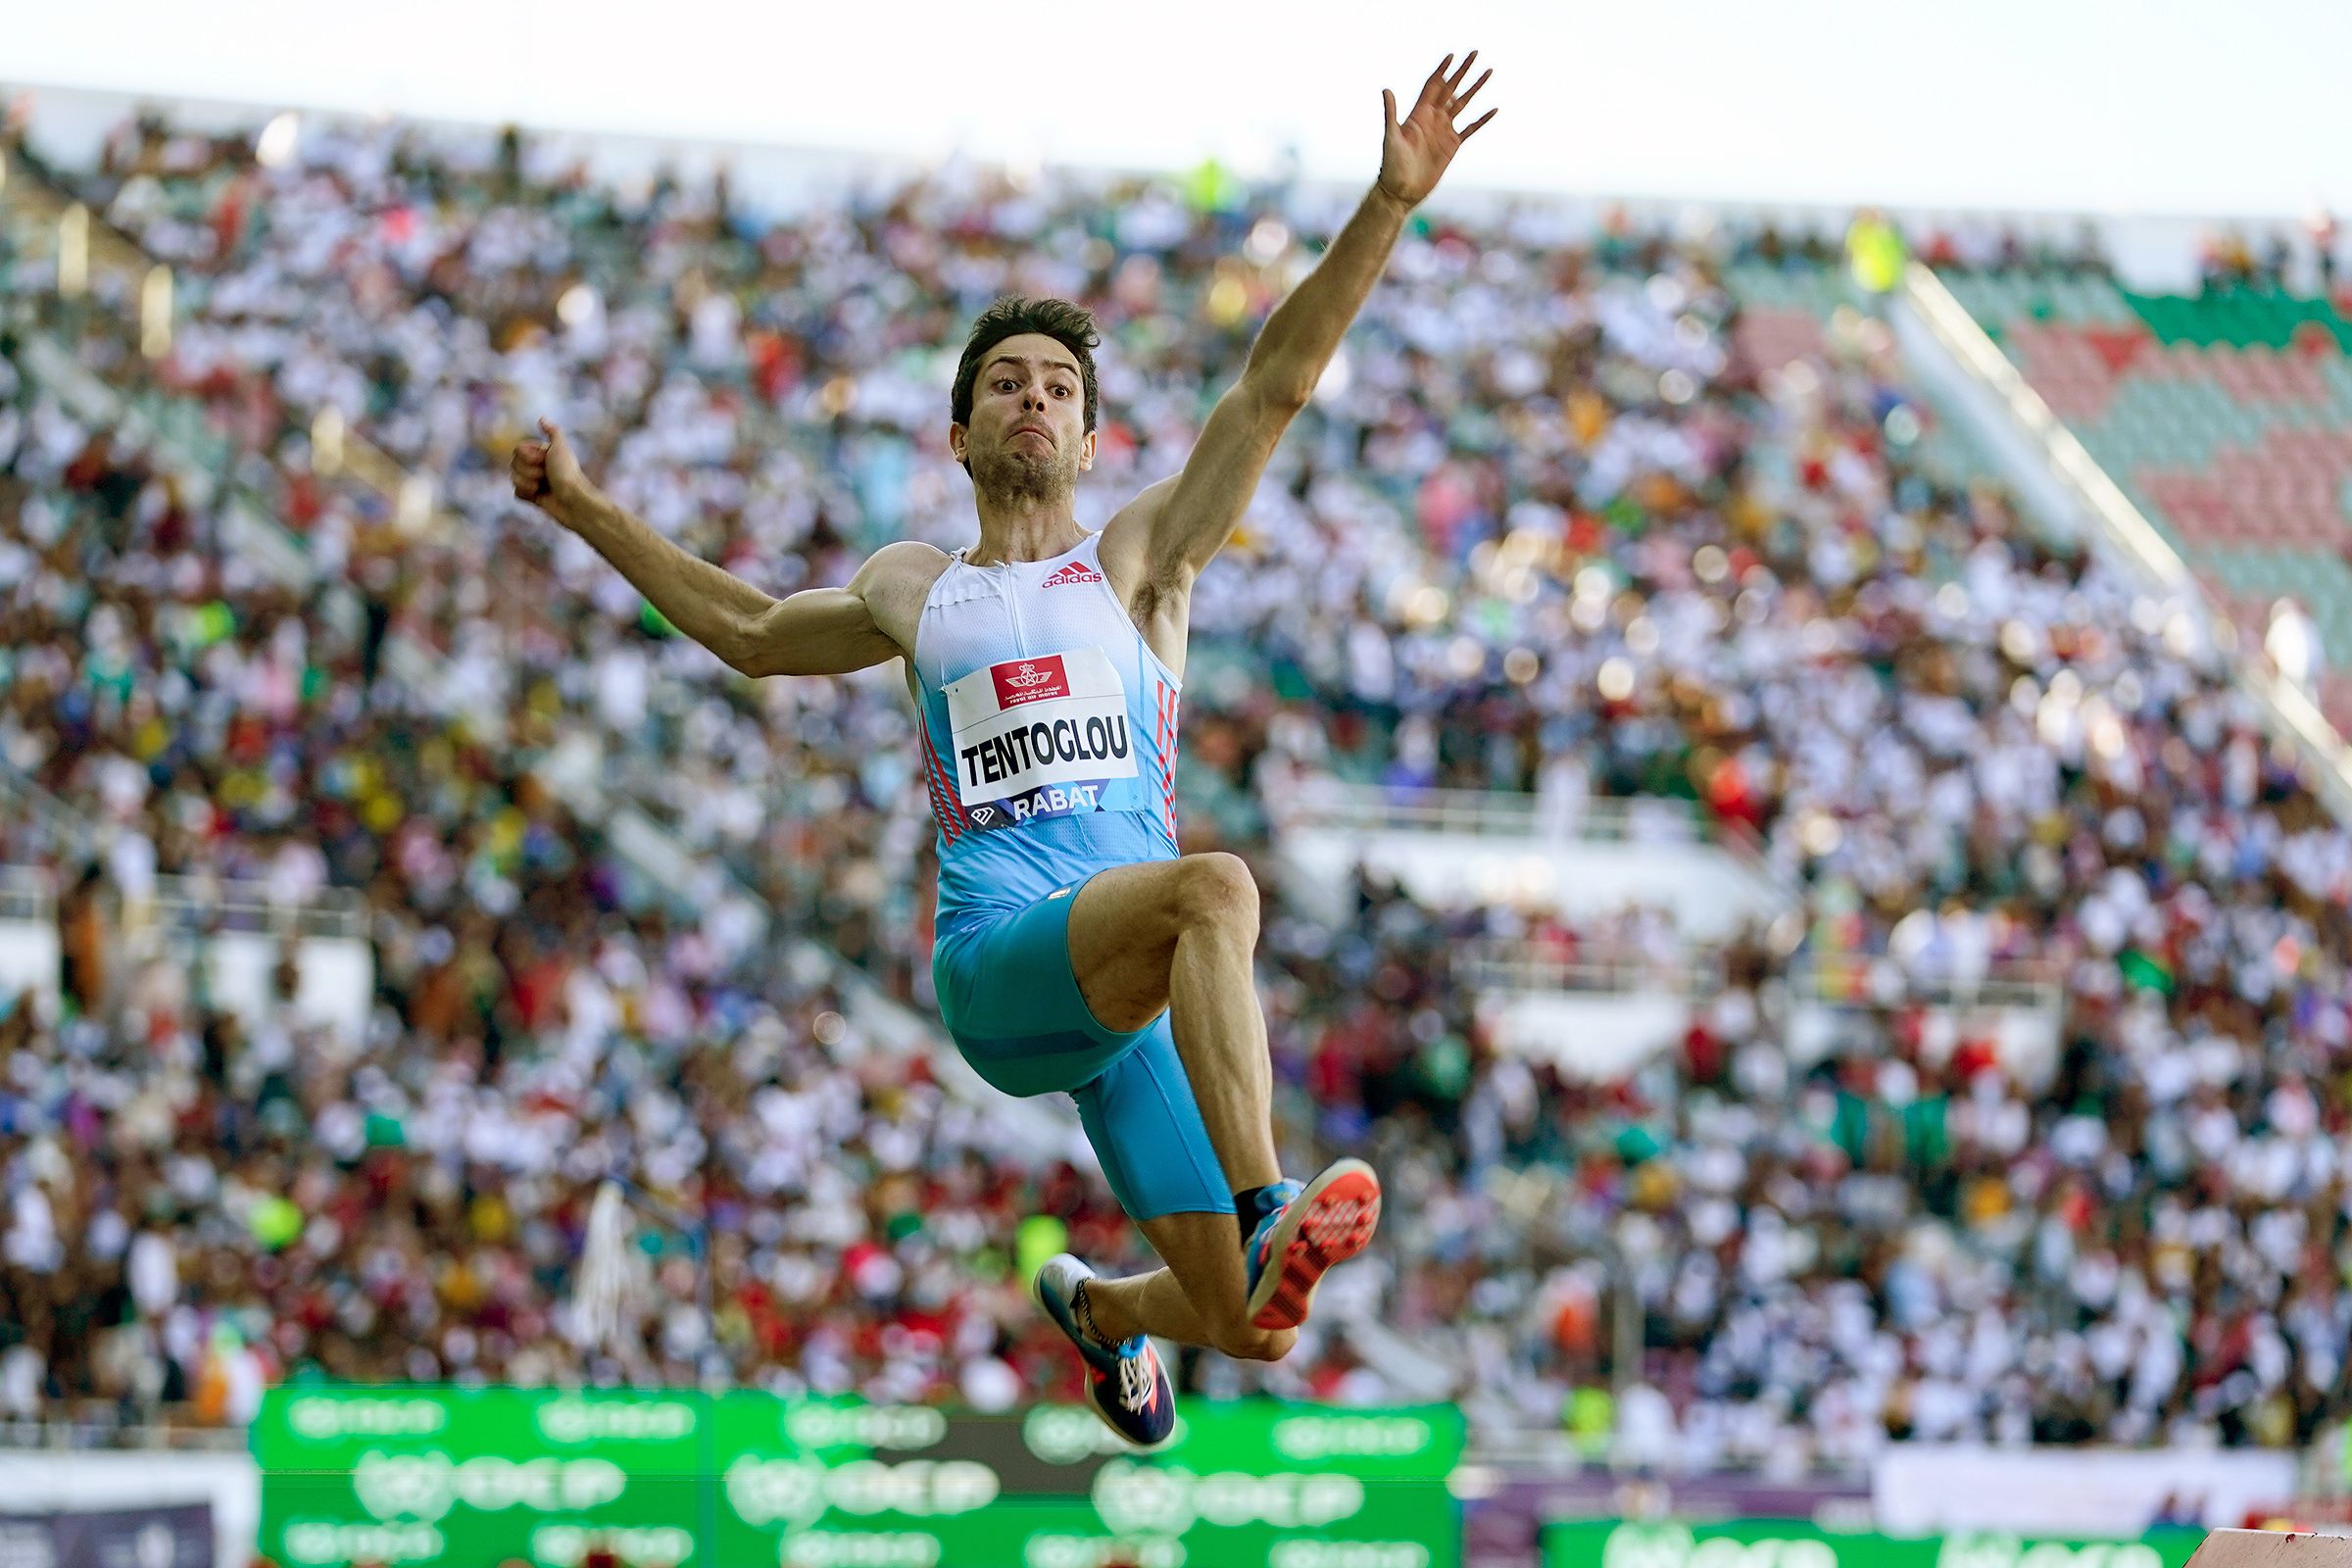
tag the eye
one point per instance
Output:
(1003, 383)
(1061, 391)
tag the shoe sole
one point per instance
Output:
(1329, 1223)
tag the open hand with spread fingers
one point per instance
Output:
(1417, 149)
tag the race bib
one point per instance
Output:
(1038, 737)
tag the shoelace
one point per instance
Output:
(1083, 1311)
(1139, 1376)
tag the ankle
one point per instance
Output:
(1249, 1207)
(1082, 1307)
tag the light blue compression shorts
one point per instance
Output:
(1010, 999)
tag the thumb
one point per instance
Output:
(1388, 101)
(555, 436)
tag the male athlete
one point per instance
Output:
(1078, 951)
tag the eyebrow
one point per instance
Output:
(1014, 359)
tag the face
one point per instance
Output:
(1028, 432)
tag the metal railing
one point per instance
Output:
(213, 905)
(2294, 716)
(1876, 979)
(1331, 804)
(1499, 964)
(26, 893)
(1696, 973)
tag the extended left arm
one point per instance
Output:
(1298, 339)
(1200, 510)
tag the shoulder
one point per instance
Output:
(895, 582)
(900, 565)
(907, 554)
(1127, 535)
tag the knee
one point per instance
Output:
(1245, 1343)
(1219, 890)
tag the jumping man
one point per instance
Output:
(1078, 951)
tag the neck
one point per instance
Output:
(1024, 528)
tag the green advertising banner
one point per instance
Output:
(1778, 1543)
(398, 1476)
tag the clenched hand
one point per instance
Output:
(546, 472)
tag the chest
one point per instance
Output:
(976, 620)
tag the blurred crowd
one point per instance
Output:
(201, 1202)
(1565, 519)
(2229, 258)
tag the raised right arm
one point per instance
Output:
(818, 631)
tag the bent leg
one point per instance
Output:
(1178, 935)
(1145, 1123)
(1202, 1297)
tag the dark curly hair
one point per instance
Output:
(1070, 325)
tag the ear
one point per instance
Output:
(959, 437)
(1086, 452)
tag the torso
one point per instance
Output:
(1048, 723)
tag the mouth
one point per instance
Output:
(1031, 429)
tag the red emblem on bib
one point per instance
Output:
(1030, 680)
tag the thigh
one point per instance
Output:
(1146, 1126)
(1009, 999)
(1122, 933)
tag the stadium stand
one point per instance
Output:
(2225, 417)
(1691, 539)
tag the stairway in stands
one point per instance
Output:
(2227, 419)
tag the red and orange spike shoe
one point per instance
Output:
(1327, 1221)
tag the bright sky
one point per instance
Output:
(2107, 106)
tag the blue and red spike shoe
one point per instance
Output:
(1126, 1383)
(1306, 1231)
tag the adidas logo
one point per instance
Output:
(1075, 571)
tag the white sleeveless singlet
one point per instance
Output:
(1048, 730)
